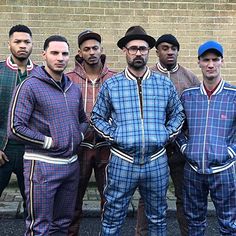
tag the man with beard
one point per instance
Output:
(139, 112)
(12, 72)
(90, 72)
(47, 114)
(167, 51)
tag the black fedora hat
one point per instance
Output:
(136, 32)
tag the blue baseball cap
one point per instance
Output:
(210, 45)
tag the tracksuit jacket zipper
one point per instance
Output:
(67, 107)
(205, 134)
(140, 94)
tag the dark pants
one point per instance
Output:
(176, 164)
(90, 159)
(15, 154)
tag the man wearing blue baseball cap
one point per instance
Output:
(210, 146)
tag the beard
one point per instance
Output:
(138, 63)
(22, 57)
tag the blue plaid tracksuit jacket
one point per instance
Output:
(211, 143)
(138, 135)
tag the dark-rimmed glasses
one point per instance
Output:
(133, 50)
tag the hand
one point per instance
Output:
(3, 158)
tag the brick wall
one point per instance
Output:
(191, 21)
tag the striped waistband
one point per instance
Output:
(47, 159)
(130, 159)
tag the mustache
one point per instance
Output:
(138, 58)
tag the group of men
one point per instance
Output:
(131, 128)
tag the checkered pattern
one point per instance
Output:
(211, 146)
(50, 197)
(222, 189)
(117, 114)
(40, 108)
(122, 180)
(8, 81)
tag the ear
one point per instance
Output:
(157, 52)
(9, 45)
(124, 50)
(44, 55)
(80, 53)
(101, 49)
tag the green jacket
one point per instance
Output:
(8, 82)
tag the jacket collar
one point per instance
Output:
(13, 66)
(79, 68)
(130, 76)
(218, 89)
(164, 70)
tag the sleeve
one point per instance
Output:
(175, 115)
(232, 150)
(182, 138)
(20, 112)
(82, 118)
(101, 115)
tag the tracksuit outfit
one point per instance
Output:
(210, 151)
(138, 116)
(182, 79)
(48, 116)
(10, 77)
(94, 151)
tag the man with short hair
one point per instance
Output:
(209, 145)
(90, 72)
(47, 115)
(139, 112)
(167, 49)
(12, 72)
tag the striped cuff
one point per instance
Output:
(47, 142)
(183, 147)
(82, 136)
(231, 152)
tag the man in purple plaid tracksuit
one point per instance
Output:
(210, 145)
(139, 111)
(47, 115)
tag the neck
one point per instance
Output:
(138, 73)
(168, 67)
(22, 64)
(93, 71)
(211, 84)
(55, 76)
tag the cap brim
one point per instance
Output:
(149, 39)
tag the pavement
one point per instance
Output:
(11, 202)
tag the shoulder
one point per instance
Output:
(229, 87)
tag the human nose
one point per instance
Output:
(210, 63)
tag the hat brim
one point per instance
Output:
(88, 36)
(149, 39)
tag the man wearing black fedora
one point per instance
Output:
(139, 112)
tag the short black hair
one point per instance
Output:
(20, 28)
(52, 38)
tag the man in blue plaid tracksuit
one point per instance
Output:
(139, 111)
(210, 146)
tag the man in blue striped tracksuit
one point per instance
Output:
(47, 115)
(210, 146)
(139, 111)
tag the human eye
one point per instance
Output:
(143, 49)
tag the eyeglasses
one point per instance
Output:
(133, 50)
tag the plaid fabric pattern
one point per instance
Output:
(222, 189)
(50, 197)
(121, 182)
(8, 81)
(211, 143)
(40, 108)
(90, 91)
(117, 114)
